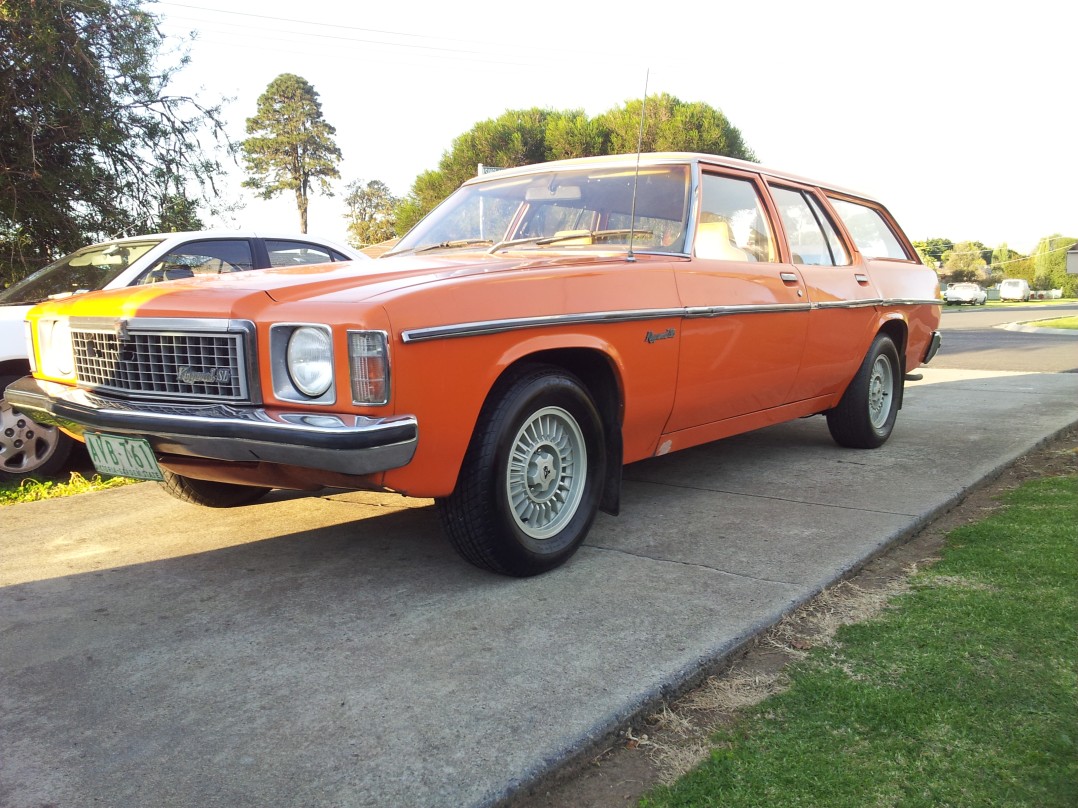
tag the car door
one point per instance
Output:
(746, 313)
(839, 287)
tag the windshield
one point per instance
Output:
(84, 270)
(578, 208)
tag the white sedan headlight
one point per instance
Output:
(309, 359)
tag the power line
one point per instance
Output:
(1067, 248)
(478, 47)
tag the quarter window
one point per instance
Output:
(870, 231)
(297, 253)
(732, 225)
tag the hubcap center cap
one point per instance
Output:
(542, 473)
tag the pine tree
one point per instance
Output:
(291, 145)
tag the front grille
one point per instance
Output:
(162, 364)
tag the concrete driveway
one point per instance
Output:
(333, 651)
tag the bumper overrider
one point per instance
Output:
(345, 443)
(933, 346)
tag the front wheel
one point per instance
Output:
(530, 484)
(209, 493)
(866, 413)
(27, 447)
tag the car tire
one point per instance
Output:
(210, 494)
(531, 480)
(28, 448)
(865, 416)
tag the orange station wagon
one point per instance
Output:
(541, 328)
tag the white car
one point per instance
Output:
(30, 448)
(970, 293)
(1014, 289)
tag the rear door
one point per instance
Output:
(838, 285)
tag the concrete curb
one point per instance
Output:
(609, 729)
(1029, 328)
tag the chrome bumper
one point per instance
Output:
(349, 444)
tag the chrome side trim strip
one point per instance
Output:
(912, 302)
(517, 323)
(848, 304)
(482, 328)
(761, 308)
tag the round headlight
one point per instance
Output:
(310, 360)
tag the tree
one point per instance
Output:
(91, 143)
(521, 137)
(934, 248)
(1050, 265)
(178, 214)
(370, 213)
(964, 262)
(516, 138)
(671, 125)
(290, 145)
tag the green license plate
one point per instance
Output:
(122, 456)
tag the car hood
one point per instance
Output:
(229, 295)
(13, 314)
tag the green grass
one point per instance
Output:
(964, 693)
(1059, 322)
(30, 490)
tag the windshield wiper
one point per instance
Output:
(542, 241)
(451, 245)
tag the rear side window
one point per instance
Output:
(869, 230)
(298, 253)
(812, 237)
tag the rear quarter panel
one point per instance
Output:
(910, 292)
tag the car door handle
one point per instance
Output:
(861, 279)
(789, 277)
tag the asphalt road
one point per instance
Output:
(333, 651)
(973, 339)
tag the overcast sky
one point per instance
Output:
(959, 116)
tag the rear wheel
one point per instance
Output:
(209, 493)
(531, 480)
(865, 416)
(27, 447)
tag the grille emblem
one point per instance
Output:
(186, 374)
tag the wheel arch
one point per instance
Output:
(599, 373)
(898, 330)
(14, 367)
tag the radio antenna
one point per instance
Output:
(636, 176)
